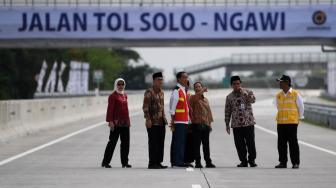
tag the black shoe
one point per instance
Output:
(198, 165)
(210, 165)
(295, 166)
(162, 166)
(127, 166)
(106, 166)
(153, 166)
(281, 165)
(242, 164)
(253, 164)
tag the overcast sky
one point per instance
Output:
(169, 58)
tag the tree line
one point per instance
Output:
(20, 67)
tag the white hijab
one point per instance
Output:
(116, 85)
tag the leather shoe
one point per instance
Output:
(127, 166)
(295, 166)
(253, 164)
(210, 165)
(106, 166)
(242, 164)
(153, 166)
(198, 165)
(281, 165)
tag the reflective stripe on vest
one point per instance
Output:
(288, 112)
(181, 112)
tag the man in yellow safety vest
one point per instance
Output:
(290, 110)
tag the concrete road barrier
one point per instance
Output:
(24, 117)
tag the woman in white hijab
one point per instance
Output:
(118, 120)
(122, 85)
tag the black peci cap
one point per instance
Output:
(157, 75)
(284, 78)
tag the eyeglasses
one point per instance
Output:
(121, 84)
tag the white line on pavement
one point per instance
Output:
(8, 160)
(196, 186)
(300, 142)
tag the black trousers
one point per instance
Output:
(124, 133)
(188, 153)
(201, 136)
(156, 138)
(287, 133)
(244, 141)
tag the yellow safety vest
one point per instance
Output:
(288, 112)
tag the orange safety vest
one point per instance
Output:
(182, 111)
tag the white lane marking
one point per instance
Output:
(300, 142)
(196, 186)
(10, 159)
(189, 169)
(266, 130)
(49, 143)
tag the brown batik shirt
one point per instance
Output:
(153, 107)
(238, 109)
(201, 112)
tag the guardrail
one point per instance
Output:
(161, 2)
(321, 114)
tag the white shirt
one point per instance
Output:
(299, 103)
(174, 100)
